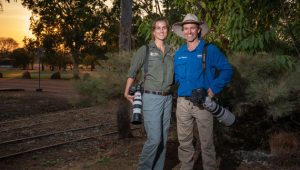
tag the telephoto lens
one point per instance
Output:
(223, 115)
(137, 105)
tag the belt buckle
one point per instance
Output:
(165, 93)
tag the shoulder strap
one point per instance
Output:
(204, 52)
(146, 60)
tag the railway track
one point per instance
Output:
(18, 137)
(25, 145)
(21, 146)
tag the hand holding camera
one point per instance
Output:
(136, 92)
(200, 97)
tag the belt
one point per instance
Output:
(186, 97)
(161, 93)
(195, 104)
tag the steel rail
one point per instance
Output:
(53, 133)
(44, 116)
(59, 144)
(40, 123)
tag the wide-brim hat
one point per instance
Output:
(189, 18)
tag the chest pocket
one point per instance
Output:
(196, 66)
(155, 62)
(181, 68)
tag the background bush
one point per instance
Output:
(269, 82)
(108, 82)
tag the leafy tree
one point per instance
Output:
(21, 58)
(7, 45)
(72, 21)
(31, 46)
(161, 8)
(247, 25)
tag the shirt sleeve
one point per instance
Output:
(225, 71)
(137, 62)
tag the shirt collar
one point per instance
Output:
(199, 46)
(153, 45)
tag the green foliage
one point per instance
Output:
(271, 83)
(145, 29)
(249, 26)
(98, 89)
(90, 60)
(111, 81)
(72, 25)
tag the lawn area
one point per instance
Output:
(17, 73)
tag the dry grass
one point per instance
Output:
(284, 144)
(285, 150)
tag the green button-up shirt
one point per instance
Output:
(160, 67)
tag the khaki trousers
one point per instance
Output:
(187, 114)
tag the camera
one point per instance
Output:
(136, 91)
(199, 96)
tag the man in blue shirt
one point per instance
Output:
(190, 75)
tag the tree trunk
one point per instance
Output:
(75, 61)
(124, 46)
(125, 26)
(123, 119)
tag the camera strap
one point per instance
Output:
(145, 63)
(204, 52)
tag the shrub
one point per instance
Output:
(110, 83)
(26, 75)
(55, 75)
(270, 83)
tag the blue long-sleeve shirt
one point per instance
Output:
(189, 73)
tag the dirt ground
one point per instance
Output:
(28, 113)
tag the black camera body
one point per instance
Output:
(200, 97)
(136, 91)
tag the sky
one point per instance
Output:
(14, 22)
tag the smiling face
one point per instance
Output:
(160, 30)
(191, 31)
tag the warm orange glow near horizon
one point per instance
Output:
(14, 22)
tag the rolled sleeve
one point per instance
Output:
(136, 62)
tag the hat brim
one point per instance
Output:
(177, 28)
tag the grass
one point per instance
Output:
(17, 73)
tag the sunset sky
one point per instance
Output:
(14, 21)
